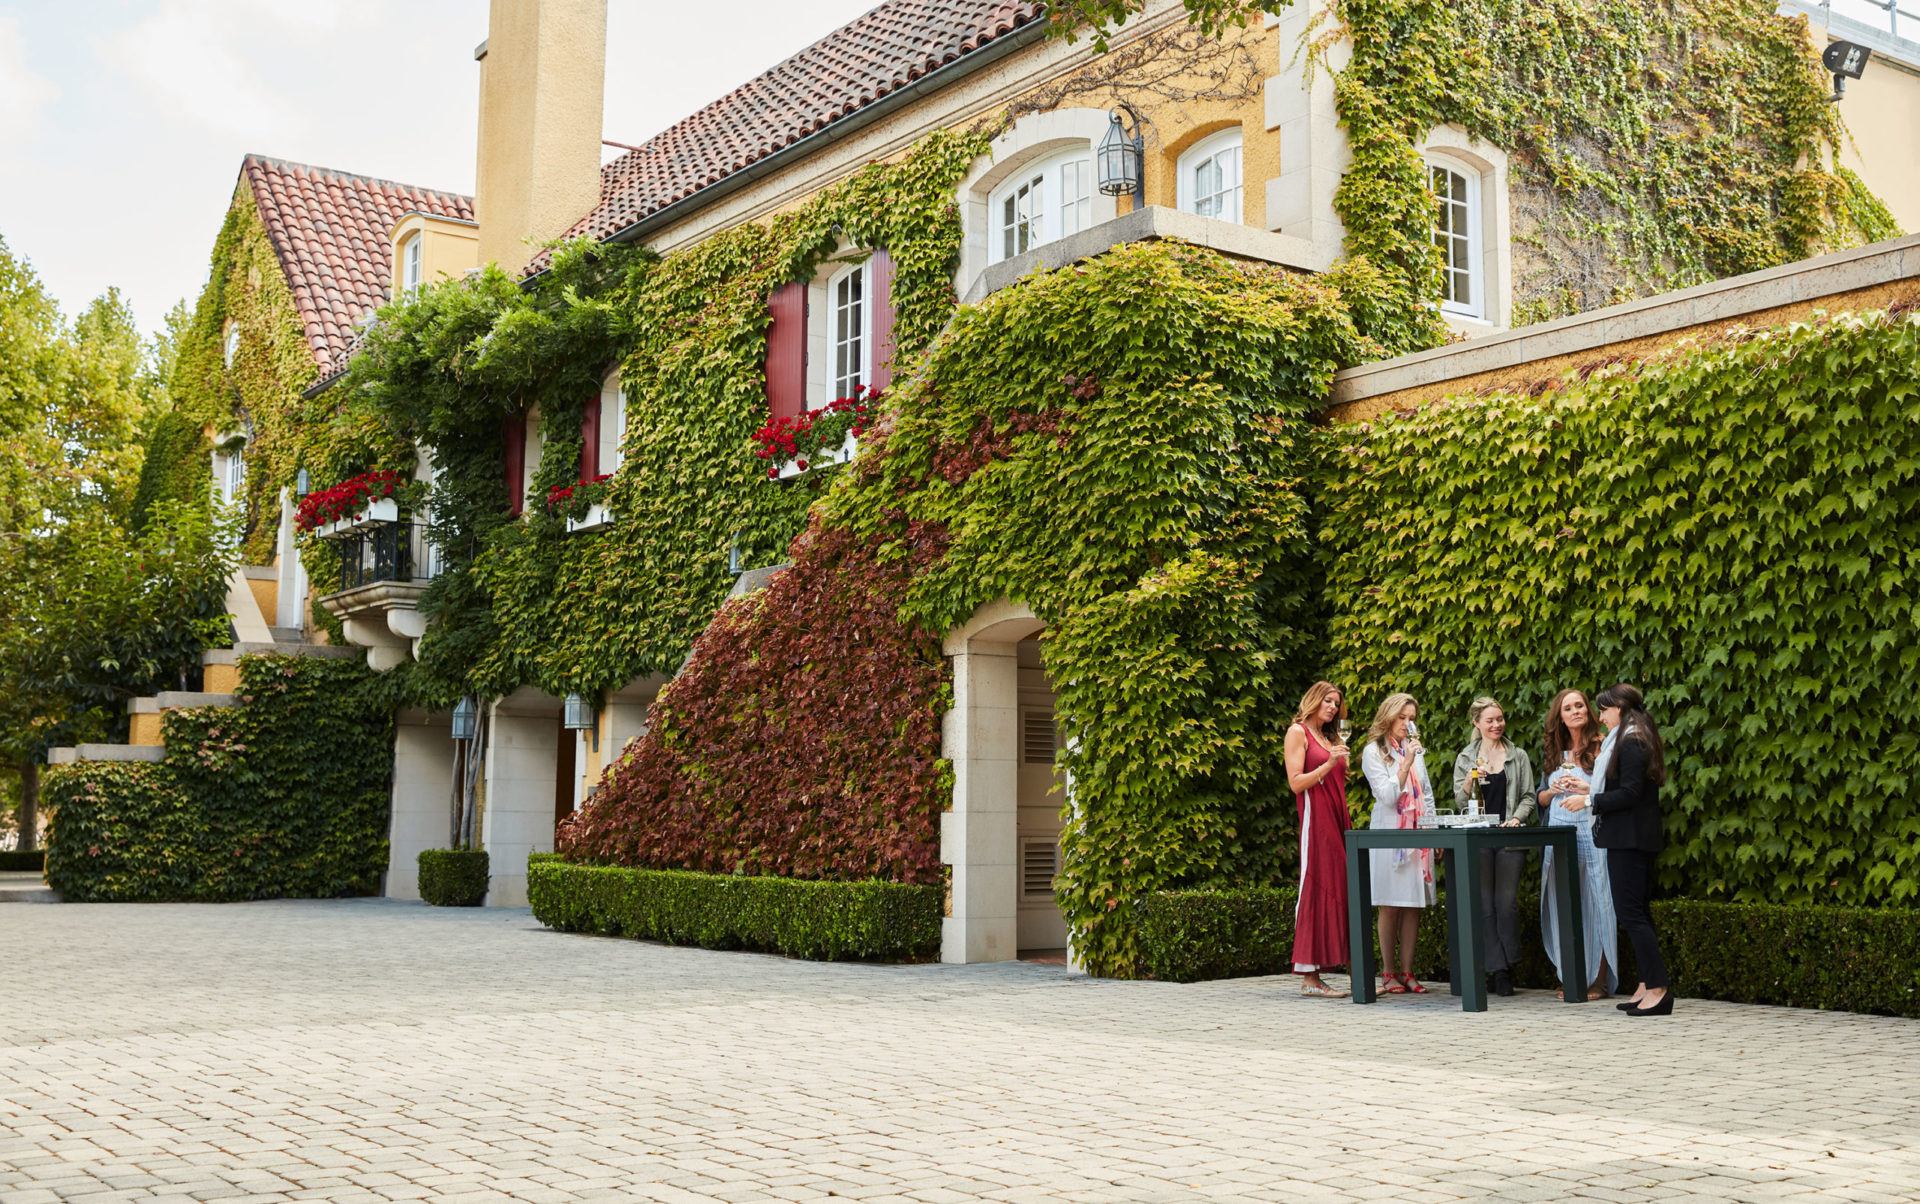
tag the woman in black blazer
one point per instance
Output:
(1627, 824)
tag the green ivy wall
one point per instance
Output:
(1730, 526)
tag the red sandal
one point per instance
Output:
(1390, 987)
(1413, 985)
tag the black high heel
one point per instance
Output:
(1663, 1008)
(1627, 1005)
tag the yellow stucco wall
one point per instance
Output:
(1882, 112)
(541, 91)
(144, 730)
(451, 249)
(220, 679)
(267, 594)
(1537, 374)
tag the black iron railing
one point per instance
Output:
(380, 552)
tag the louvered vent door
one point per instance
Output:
(1036, 738)
(1039, 863)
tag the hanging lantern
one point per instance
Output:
(302, 484)
(579, 714)
(466, 718)
(1121, 160)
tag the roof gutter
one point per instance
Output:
(827, 135)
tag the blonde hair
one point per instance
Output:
(1308, 716)
(1383, 719)
(1479, 708)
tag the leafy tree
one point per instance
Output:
(91, 614)
(1100, 19)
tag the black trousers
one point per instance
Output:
(1630, 871)
(1500, 871)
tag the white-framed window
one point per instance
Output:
(847, 330)
(1456, 231)
(236, 474)
(1209, 177)
(1045, 202)
(413, 272)
(613, 423)
(230, 345)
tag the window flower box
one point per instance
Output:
(818, 438)
(822, 458)
(597, 516)
(376, 511)
(354, 503)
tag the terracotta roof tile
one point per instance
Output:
(329, 229)
(886, 49)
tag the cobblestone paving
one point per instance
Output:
(373, 1050)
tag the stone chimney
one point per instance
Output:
(542, 78)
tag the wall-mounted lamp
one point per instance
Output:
(1847, 61)
(1122, 158)
(466, 718)
(302, 484)
(733, 559)
(579, 718)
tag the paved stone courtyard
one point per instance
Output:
(375, 1050)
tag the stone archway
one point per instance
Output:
(980, 836)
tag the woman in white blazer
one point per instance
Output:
(1396, 770)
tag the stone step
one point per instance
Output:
(26, 887)
(288, 635)
(173, 700)
(105, 752)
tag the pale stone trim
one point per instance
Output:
(1153, 221)
(1725, 301)
(1451, 146)
(980, 736)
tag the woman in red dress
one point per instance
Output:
(1317, 772)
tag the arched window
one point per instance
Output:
(1456, 231)
(1210, 179)
(847, 345)
(1041, 203)
(412, 264)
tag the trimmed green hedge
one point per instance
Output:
(825, 921)
(282, 796)
(1852, 959)
(12, 861)
(453, 877)
(1196, 935)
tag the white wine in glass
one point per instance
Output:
(1345, 730)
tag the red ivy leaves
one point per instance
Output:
(955, 462)
(802, 739)
(338, 501)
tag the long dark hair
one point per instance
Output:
(1635, 722)
(1560, 736)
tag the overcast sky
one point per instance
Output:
(123, 122)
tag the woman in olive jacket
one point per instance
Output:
(1627, 824)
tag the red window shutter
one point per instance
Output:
(516, 455)
(590, 440)
(880, 305)
(787, 351)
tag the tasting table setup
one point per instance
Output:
(1460, 845)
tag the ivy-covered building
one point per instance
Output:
(1077, 303)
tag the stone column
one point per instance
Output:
(522, 767)
(423, 756)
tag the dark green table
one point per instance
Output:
(1466, 944)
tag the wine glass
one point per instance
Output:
(1345, 730)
